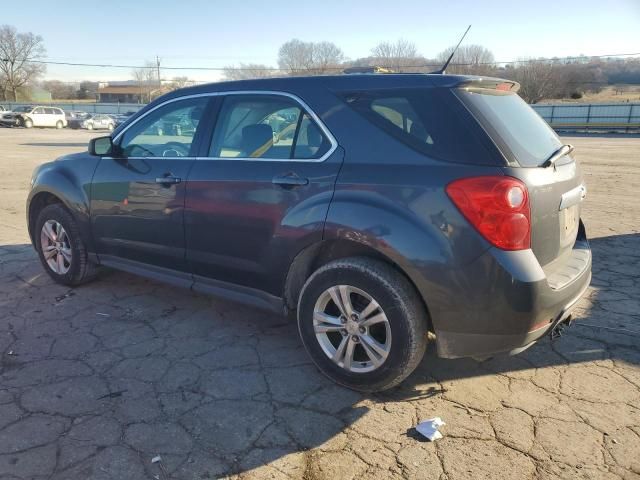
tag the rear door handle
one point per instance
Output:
(289, 180)
(168, 179)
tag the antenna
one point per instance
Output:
(446, 64)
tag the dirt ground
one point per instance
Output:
(97, 381)
(609, 94)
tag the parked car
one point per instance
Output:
(403, 205)
(120, 118)
(93, 122)
(3, 108)
(38, 116)
(74, 115)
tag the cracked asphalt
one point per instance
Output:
(97, 381)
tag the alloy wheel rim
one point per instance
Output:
(56, 247)
(352, 329)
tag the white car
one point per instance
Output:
(35, 117)
(93, 122)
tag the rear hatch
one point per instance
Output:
(556, 190)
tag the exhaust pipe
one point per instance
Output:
(560, 327)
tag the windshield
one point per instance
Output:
(512, 123)
(23, 109)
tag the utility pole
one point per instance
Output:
(158, 67)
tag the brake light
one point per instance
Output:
(497, 206)
(506, 86)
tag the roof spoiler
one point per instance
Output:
(489, 83)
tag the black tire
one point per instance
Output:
(398, 299)
(81, 270)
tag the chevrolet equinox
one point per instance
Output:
(377, 208)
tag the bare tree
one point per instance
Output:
(327, 57)
(18, 53)
(296, 57)
(180, 82)
(59, 90)
(469, 60)
(538, 79)
(401, 56)
(145, 78)
(246, 71)
(87, 90)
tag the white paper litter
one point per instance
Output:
(429, 428)
(156, 459)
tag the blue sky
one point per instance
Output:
(218, 33)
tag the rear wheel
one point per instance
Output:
(362, 323)
(60, 247)
(59, 124)
(110, 127)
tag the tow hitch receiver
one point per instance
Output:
(558, 330)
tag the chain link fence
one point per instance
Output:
(613, 117)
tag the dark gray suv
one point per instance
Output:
(378, 208)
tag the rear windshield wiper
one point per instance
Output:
(558, 154)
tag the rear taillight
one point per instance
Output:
(497, 206)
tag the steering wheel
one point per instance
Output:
(175, 147)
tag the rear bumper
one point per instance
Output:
(507, 302)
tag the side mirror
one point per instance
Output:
(101, 146)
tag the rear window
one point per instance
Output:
(513, 124)
(429, 120)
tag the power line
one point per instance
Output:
(338, 68)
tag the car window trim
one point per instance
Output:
(301, 103)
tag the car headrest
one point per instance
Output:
(418, 131)
(314, 137)
(196, 114)
(256, 139)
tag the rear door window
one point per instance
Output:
(429, 120)
(266, 126)
(512, 124)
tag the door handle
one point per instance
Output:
(289, 180)
(168, 179)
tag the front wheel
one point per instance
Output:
(362, 323)
(60, 247)
(28, 123)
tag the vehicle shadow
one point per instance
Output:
(217, 388)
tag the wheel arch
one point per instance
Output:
(59, 189)
(315, 256)
(39, 201)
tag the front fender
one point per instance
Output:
(69, 180)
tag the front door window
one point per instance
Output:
(168, 131)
